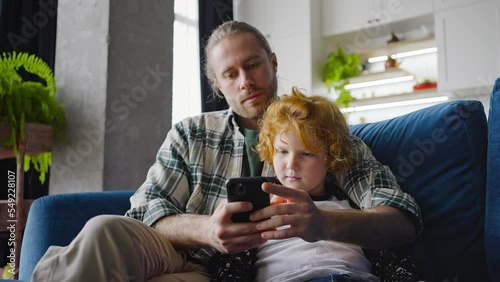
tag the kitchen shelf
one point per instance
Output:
(390, 73)
(419, 94)
(397, 47)
(397, 100)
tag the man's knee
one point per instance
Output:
(104, 223)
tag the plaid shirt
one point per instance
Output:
(201, 152)
(371, 183)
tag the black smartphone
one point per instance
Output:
(248, 189)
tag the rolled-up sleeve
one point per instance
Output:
(166, 189)
(371, 184)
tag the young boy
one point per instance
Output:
(307, 140)
(309, 144)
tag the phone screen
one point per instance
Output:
(248, 189)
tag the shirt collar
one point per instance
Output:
(232, 120)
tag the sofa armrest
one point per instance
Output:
(57, 219)
(492, 226)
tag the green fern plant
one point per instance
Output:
(338, 68)
(24, 102)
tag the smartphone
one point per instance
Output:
(248, 189)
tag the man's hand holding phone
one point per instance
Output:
(248, 189)
(230, 228)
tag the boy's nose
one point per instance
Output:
(292, 163)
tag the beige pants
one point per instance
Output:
(117, 248)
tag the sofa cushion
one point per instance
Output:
(492, 226)
(438, 155)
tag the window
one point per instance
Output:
(186, 65)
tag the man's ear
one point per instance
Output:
(274, 62)
(218, 92)
(217, 84)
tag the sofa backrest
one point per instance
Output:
(438, 155)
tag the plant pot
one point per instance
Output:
(38, 138)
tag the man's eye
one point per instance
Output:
(230, 75)
(253, 65)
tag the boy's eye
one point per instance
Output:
(307, 154)
(281, 151)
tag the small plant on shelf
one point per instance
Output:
(23, 102)
(339, 67)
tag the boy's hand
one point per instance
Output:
(277, 200)
(289, 207)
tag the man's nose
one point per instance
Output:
(247, 81)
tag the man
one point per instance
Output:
(183, 197)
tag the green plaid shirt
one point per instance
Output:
(371, 183)
(201, 152)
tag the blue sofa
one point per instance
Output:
(447, 156)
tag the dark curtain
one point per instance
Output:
(212, 13)
(28, 26)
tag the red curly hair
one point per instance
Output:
(318, 121)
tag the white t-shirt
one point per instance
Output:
(294, 259)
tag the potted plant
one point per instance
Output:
(337, 69)
(28, 104)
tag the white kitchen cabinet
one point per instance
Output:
(468, 41)
(341, 16)
(399, 10)
(448, 4)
